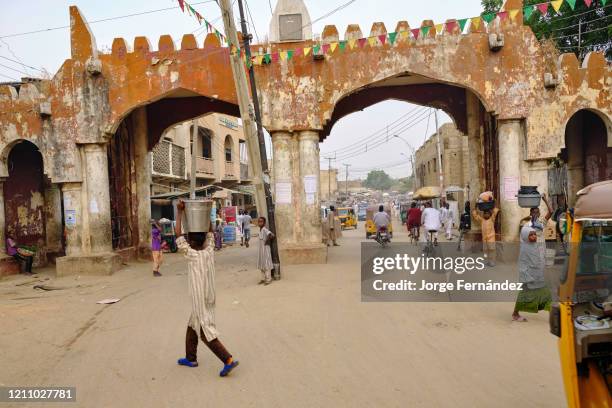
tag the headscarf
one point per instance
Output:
(531, 263)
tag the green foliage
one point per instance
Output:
(594, 24)
(491, 6)
(403, 185)
(378, 180)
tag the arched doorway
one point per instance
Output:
(587, 154)
(24, 199)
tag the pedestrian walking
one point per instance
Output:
(22, 255)
(218, 234)
(156, 247)
(239, 223)
(447, 218)
(487, 226)
(535, 295)
(201, 281)
(264, 257)
(245, 226)
(334, 227)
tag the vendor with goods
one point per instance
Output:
(20, 253)
(486, 215)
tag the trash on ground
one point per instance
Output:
(108, 301)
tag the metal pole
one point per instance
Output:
(439, 148)
(269, 204)
(346, 182)
(194, 167)
(579, 36)
(329, 179)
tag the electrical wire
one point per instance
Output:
(44, 30)
(16, 70)
(378, 143)
(11, 78)
(17, 62)
(252, 21)
(375, 137)
(582, 33)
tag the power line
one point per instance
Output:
(11, 78)
(252, 21)
(270, 4)
(16, 70)
(17, 62)
(43, 30)
(584, 32)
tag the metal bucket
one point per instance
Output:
(197, 215)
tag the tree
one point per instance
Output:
(403, 185)
(580, 30)
(378, 180)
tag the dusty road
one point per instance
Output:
(305, 341)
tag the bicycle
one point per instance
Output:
(414, 234)
(429, 246)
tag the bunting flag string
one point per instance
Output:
(391, 38)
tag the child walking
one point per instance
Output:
(487, 225)
(201, 280)
(264, 259)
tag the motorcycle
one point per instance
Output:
(383, 237)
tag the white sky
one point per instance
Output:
(49, 49)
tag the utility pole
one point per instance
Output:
(194, 167)
(249, 111)
(329, 179)
(346, 182)
(579, 36)
(439, 148)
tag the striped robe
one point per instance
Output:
(201, 282)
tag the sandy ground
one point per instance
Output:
(304, 341)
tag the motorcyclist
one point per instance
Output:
(381, 220)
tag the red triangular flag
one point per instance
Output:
(383, 38)
(362, 42)
(298, 52)
(543, 7)
(450, 26)
(502, 15)
(588, 2)
(275, 57)
(415, 32)
(325, 48)
(182, 4)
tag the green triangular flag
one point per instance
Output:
(267, 58)
(603, 2)
(572, 3)
(488, 17)
(462, 23)
(289, 55)
(425, 30)
(527, 11)
(316, 49)
(342, 45)
(392, 37)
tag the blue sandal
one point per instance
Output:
(185, 362)
(228, 368)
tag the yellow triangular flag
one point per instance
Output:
(556, 4)
(307, 51)
(513, 13)
(476, 22)
(372, 41)
(403, 34)
(439, 28)
(333, 46)
(258, 59)
(352, 43)
(283, 55)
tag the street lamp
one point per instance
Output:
(411, 157)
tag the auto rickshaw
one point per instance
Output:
(348, 218)
(581, 319)
(370, 227)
